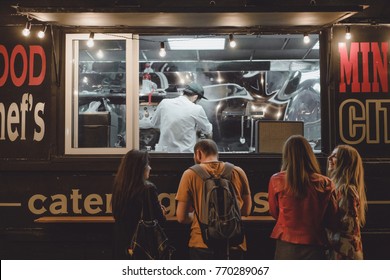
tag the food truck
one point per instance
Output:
(73, 102)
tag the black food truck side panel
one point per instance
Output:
(35, 184)
(25, 108)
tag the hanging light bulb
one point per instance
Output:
(41, 33)
(162, 52)
(26, 30)
(232, 42)
(100, 54)
(306, 38)
(90, 42)
(348, 33)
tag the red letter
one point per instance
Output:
(380, 67)
(36, 81)
(365, 49)
(18, 81)
(3, 78)
(347, 66)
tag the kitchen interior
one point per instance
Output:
(260, 78)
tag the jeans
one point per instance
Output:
(290, 251)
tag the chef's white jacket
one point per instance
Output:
(179, 119)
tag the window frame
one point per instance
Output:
(71, 93)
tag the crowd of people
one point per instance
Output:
(317, 216)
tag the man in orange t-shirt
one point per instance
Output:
(191, 190)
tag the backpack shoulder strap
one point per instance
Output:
(201, 172)
(227, 171)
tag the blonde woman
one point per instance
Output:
(303, 203)
(345, 168)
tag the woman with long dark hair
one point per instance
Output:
(345, 168)
(302, 202)
(130, 188)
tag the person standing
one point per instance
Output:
(179, 119)
(131, 186)
(190, 192)
(302, 201)
(345, 168)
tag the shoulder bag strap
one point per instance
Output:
(227, 171)
(142, 205)
(148, 203)
(204, 175)
(200, 172)
(227, 174)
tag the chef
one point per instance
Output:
(180, 119)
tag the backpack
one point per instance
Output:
(220, 216)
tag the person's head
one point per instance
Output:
(345, 165)
(129, 181)
(205, 149)
(345, 168)
(194, 92)
(299, 163)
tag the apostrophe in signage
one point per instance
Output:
(14, 119)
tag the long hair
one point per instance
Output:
(299, 163)
(348, 172)
(129, 181)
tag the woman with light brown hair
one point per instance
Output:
(345, 168)
(302, 202)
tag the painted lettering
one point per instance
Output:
(93, 200)
(75, 197)
(108, 204)
(18, 50)
(169, 202)
(94, 204)
(362, 55)
(37, 199)
(13, 119)
(37, 51)
(380, 65)
(260, 202)
(20, 63)
(4, 76)
(368, 122)
(58, 205)
(349, 67)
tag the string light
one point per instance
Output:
(90, 42)
(232, 42)
(306, 38)
(27, 28)
(100, 54)
(348, 33)
(41, 33)
(162, 52)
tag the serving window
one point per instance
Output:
(269, 79)
(114, 88)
